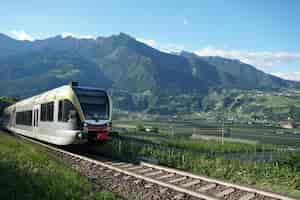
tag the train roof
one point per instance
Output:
(63, 92)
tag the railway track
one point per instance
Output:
(161, 182)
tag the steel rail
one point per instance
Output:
(243, 188)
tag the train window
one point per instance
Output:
(65, 108)
(44, 112)
(24, 118)
(47, 110)
(60, 110)
(50, 111)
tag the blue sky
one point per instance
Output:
(263, 33)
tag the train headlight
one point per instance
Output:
(85, 127)
(80, 136)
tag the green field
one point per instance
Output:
(256, 133)
(28, 172)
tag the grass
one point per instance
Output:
(216, 146)
(278, 101)
(27, 172)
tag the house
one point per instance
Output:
(287, 124)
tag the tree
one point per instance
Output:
(254, 116)
(294, 113)
(140, 127)
(155, 129)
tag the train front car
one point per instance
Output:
(96, 109)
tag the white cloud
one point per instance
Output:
(149, 42)
(21, 35)
(88, 37)
(260, 59)
(167, 48)
(171, 48)
(293, 76)
(68, 34)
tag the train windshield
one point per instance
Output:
(94, 103)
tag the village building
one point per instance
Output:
(287, 124)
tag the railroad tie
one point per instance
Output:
(145, 170)
(154, 173)
(207, 187)
(148, 185)
(177, 180)
(126, 177)
(108, 170)
(135, 167)
(126, 165)
(225, 192)
(247, 196)
(165, 176)
(117, 174)
(189, 184)
(116, 163)
(137, 181)
(179, 196)
(163, 190)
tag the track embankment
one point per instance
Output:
(149, 181)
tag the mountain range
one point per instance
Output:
(122, 63)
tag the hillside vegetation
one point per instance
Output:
(140, 77)
(120, 62)
(4, 102)
(254, 105)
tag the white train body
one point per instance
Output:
(62, 116)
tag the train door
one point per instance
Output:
(13, 118)
(35, 120)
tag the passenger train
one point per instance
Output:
(66, 115)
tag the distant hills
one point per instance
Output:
(122, 63)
